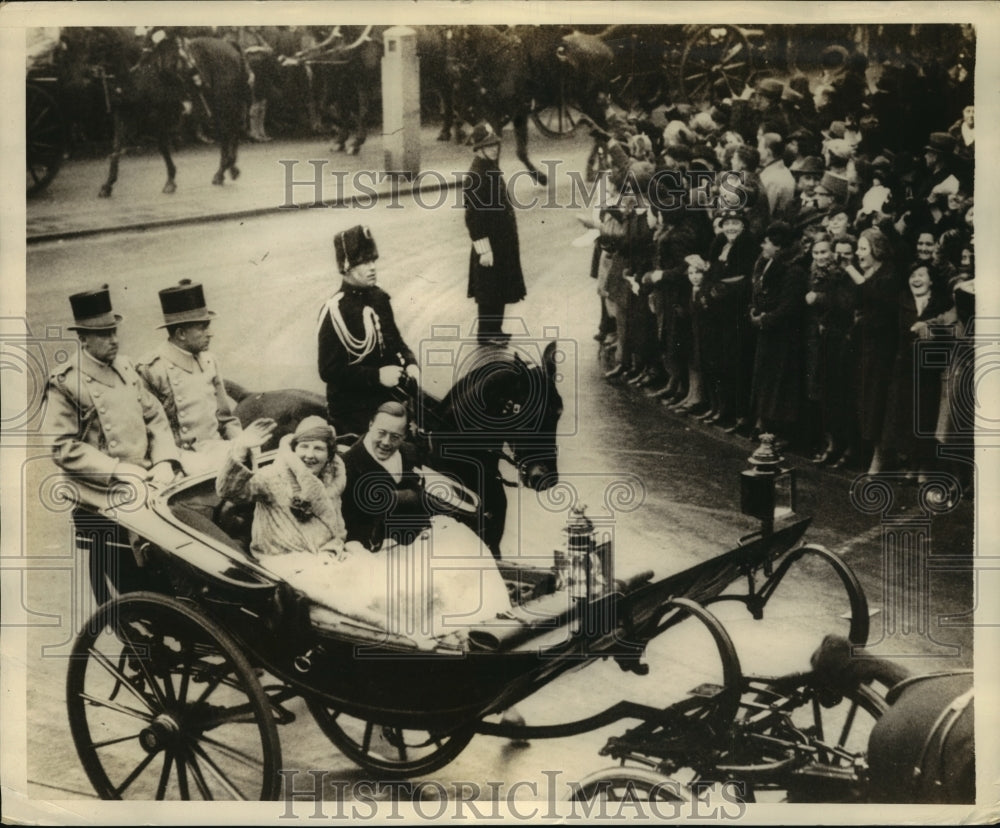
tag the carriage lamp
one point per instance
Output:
(767, 489)
(579, 532)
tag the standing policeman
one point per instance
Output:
(107, 427)
(362, 357)
(185, 378)
(495, 277)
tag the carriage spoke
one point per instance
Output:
(116, 741)
(199, 779)
(182, 779)
(119, 708)
(233, 753)
(134, 775)
(161, 786)
(848, 725)
(119, 676)
(150, 679)
(240, 714)
(366, 743)
(186, 675)
(216, 771)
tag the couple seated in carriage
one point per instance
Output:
(351, 530)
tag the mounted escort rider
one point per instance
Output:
(185, 378)
(107, 427)
(362, 356)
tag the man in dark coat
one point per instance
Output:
(362, 356)
(383, 495)
(495, 277)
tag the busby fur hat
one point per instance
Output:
(354, 246)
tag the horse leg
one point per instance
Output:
(113, 159)
(521, 137)
(361, 129)
(234, 144)
(163, 142)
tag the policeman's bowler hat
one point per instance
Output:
(940, 142)
(354, 246)
(183, 303)
(92, 311)
(484, 136)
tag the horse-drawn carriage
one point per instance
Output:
(179, 681)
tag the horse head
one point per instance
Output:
(510, 406)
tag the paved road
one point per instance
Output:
(266, 275)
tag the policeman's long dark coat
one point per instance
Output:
(489, 214)
(353, 391)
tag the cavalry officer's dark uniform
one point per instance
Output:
(101, 415)
(492, 226)
(358, 336)
(189, 386)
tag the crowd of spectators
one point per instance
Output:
(816, 279)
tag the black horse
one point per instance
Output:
(150, 93)
(504, 408)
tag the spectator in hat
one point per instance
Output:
(759, 106)
(185, 378)
(938, 176)
(495, 276)
(779, 185)
(751, 196)
(363, 358)
(807, 173)
(831, 190)
(105, 426)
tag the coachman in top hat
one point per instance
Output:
(185, 378)
(362, 356)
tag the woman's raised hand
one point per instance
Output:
(258, 432)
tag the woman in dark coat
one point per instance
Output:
(875, 335)
(727, 360)
(776, 311)
(495, 277)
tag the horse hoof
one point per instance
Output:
(234, 173)
(105, 192)
(217, 179)
(169, 188)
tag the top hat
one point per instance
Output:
(92, 311)
(940, 142)
(484, 136)
(771, 88)
(354, 246)
(183, 303)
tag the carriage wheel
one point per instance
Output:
(716, 63)
(629, 785)
(163, 705)
(558, 119)
(390, 751)
(45, 138)
(835, 733)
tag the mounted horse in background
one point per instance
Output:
(149, 94)
(502, 73)
(344, 67)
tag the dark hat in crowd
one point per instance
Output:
(354, 246)
(940, 142)
(770, 88)
(483, 136)
(834, 185)
(780, 233)
(183, 303)
(833, 57)
(810, 165)
(801, 134)
(739, 215)
(92, 311)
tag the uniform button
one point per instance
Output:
(113, 443)
(104, 410)
(184, 428)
